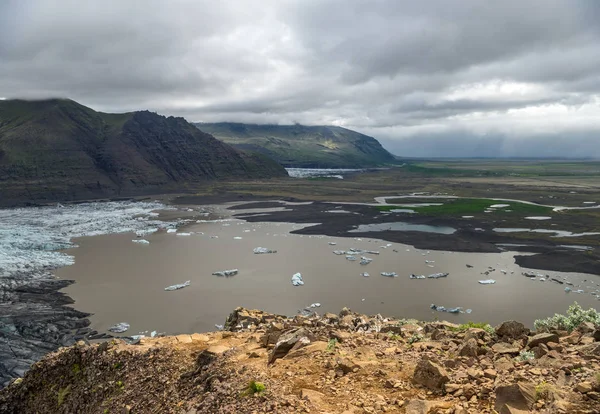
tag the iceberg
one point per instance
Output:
(141, 241)
(351, 258)
(339, 252)
(389, 274)
(171, 230)
(413, 276)
(297, 280)
(438, 275)
(263, 250)
(178, 286)
(365, 261)
(119, 327)
(365, 274)
(487, 282)
(226, 273)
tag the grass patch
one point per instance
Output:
(479, 325)
(472, 206)
(254, 387)
(331, 345)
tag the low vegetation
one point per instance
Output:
(575, 316)
(255, 387)
(464, 206)
(479, 325)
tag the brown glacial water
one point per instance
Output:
(121, 281)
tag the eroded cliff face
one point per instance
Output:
(346, 363)
(58, 150)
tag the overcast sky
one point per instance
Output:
(427, 78)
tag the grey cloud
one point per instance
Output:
(470, 77)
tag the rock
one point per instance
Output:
(542, 338)
(346, 365)
(217, 349)
(505, 348)
(503, 364)
(290, 340)
(425, 407)
(539, 351)
(511, 330)
(586, 327)
(596, 335)
(469, 348)
(476, 333)
(430, 375)
(490, 373)
(315, 397)
(584, 387)
(520, 396)
(451, 388)
(474, 373)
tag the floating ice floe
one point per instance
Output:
(219, 327)
(449, 310)
(178, 286)
(351, 258)
(145, 232)
(365, 260)
(119, 327)
(429, 261)
(226, 273)
(332, 243)
(538, 218)
(389, 274)
(487, 282)
(171, 230)
(315, 305)
(339, 252)
(237, 238)
(141, 241)
(499, 205)
(413, 276)
(263, 250)
(184, 234)
(297, 280)
(365, 274)
(437, 275)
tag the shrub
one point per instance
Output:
(331, 345)
(525, 356)
(575, 316)
(479, 325)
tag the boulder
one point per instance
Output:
(430, 375)
(596, 335)
(511, 330)
(542, 338)
(313, 396)
(426, 407)
(520, 396)
(469, 348)
(290, 340)
(505, 348)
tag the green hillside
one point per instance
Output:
(304, 146)
(58, 149)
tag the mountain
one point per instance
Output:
(57, 149)
(304, 146)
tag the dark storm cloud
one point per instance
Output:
(433, 77)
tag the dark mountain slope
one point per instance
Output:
(60, 150)
(304, 146)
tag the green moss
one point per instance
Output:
(479, 325)
(62, 394)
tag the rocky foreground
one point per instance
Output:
(346, 363)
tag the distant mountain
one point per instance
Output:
(304, 146)
(60, 150)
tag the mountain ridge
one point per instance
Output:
(60, 150)
(304, 146)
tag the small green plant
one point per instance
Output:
(415, 338)
(479, 325)
(331, 345)
(75, 369)
(117, 365)
(62, 394)
(575, 316)
(120, 385)
(255, 387)
(393, 336)
(525, 356)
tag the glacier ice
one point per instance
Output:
(31, 237)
